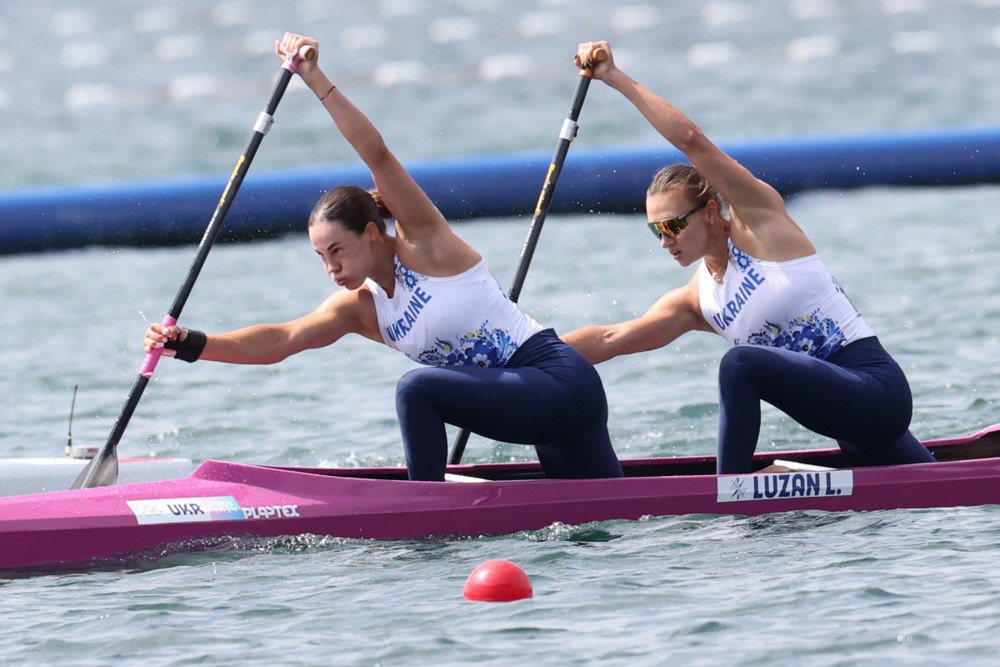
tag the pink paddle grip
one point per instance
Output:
(149, 362)
(292, 60)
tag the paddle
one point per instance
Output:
(566, 136)
(103, 468)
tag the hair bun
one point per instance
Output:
(382, 208)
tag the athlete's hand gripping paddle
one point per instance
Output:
(103, 468)
(566, 136)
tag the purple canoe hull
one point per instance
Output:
(231, 499)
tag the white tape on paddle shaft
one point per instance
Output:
(569, 129)
(264, 123)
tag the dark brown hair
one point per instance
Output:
(686, 178)
(352, 207)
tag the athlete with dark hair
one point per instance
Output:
(427, 293)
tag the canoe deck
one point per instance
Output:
(983, 445)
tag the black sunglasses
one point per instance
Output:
(673, 226)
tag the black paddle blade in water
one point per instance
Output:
(101, 471)
(103, 468)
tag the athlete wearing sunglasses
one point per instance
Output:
(799, 343)
(673, 226)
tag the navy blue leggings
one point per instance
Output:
(859, 397)
(548, 395)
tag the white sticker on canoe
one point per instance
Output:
(186, 510)
(776, 486)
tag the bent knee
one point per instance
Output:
(738, 363)
(413, 384)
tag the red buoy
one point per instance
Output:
(497, 581)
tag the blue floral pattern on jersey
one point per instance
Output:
(486, 346)
(739, 258)
(407, 277)
(813, 334)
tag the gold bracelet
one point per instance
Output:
(327, 94)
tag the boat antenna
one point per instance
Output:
(69, 431)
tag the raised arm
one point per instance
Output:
(757, 206)
(419, 222)
(740, 188)
(674, 314)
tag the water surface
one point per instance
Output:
(156, 90)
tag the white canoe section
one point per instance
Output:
(19, 476)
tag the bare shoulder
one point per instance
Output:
(438, 253)
(760, 223)
(353, 309)
(769, 235)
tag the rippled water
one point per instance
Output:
(127, 90)
(903, 587)
(884, 587)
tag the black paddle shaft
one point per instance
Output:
(229, 194)
(566, 136)
(103, 468)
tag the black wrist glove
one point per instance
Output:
(190, 348)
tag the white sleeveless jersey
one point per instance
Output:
(796, 305)
(461, 320)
